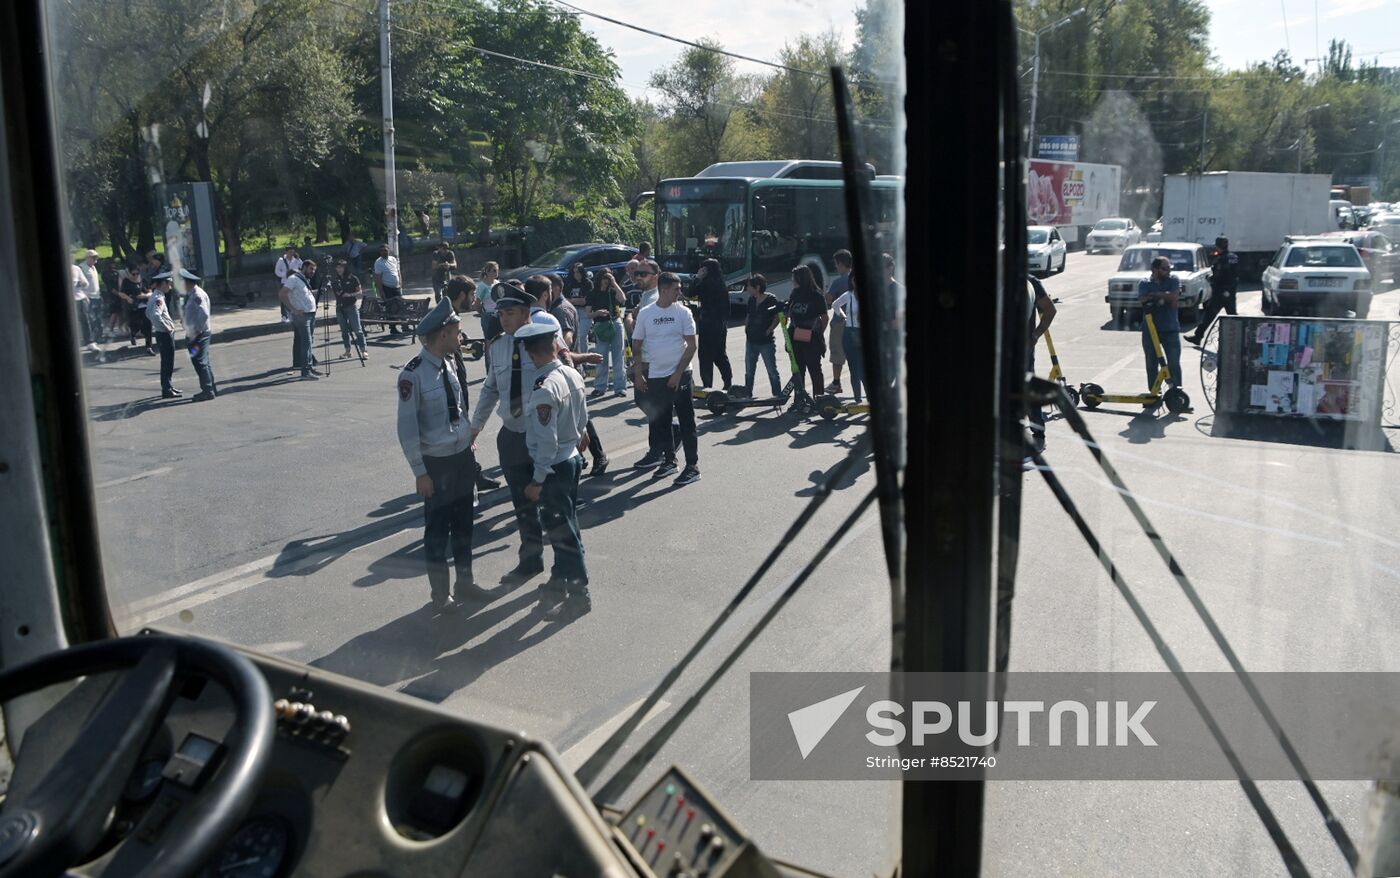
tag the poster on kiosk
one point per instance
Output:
(186, 220)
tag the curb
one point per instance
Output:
(237, 333)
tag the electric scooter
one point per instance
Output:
(1091, 395)
(1057, 374)
(717, 402)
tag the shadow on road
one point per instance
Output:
(123, 410)
(1146, 426)
(414, 645)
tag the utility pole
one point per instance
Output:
(1035, 75)
(1204, 114)
(1031, 151)
(386, 84)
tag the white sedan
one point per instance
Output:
(1114, 233)
(1190, 265)
(1320, 275)
(1045, 250)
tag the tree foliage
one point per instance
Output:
(277, 103)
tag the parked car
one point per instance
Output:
(1381, 255)
(1045, 250)
(1114, 233)
(1387, 224)
(1190, 265)
(1317, 274)
(561, 260)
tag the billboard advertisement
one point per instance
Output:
(185, 214)
(1070, 193)
(1061, 147)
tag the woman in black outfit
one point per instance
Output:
(134, 298)
(710, 328)
(807, 316)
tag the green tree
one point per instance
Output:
(794, 110)
(702, 96)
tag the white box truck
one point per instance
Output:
(1254, 210)
(1071, 195)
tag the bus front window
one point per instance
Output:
(699, 221)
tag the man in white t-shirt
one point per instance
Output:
(663, 344)
(390, 283)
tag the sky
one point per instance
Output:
(1242, 31)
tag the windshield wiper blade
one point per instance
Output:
(1050, 391)
(628, 773)
(881, 338)
(589, 771)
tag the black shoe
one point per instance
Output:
(578, 603)
(485, 484)
(600, 466)
(468, 592)
(689, 475)
(150, 352)
(667, 468)
(598, 394)
(651, 460)
(1193, 340)
(523, 572)
(170, 393)
(552, 594)
(203, 396)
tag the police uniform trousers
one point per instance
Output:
(199, 357)
(166, 345)
(1220, 298)
(448, 519)
(519, 471)
(559, 515)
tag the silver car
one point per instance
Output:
(1113, 234)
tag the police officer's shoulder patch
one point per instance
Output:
(405, 388)
(413, 364)
(544, 412)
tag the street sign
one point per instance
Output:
(449, 227)
(1062, 147)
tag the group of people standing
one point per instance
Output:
(538, 333)
(143, 300)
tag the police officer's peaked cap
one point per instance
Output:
(441, 315)
(507, 295)
(532, 330)
(164, 275)
(189, 275)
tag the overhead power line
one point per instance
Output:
(684, 42)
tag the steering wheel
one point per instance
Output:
(47, 828)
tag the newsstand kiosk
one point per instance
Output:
(1313, 380)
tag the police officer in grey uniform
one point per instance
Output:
(510, 376)
(556, 431)
(438, 445)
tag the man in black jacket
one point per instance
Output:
(1224, 284)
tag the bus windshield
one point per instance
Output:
(698, 220)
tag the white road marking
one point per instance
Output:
(278, 647)
(574, 757)
(1106, 375)
(135, 478)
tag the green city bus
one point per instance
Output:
(764, 217)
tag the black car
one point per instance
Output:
(561, 260)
